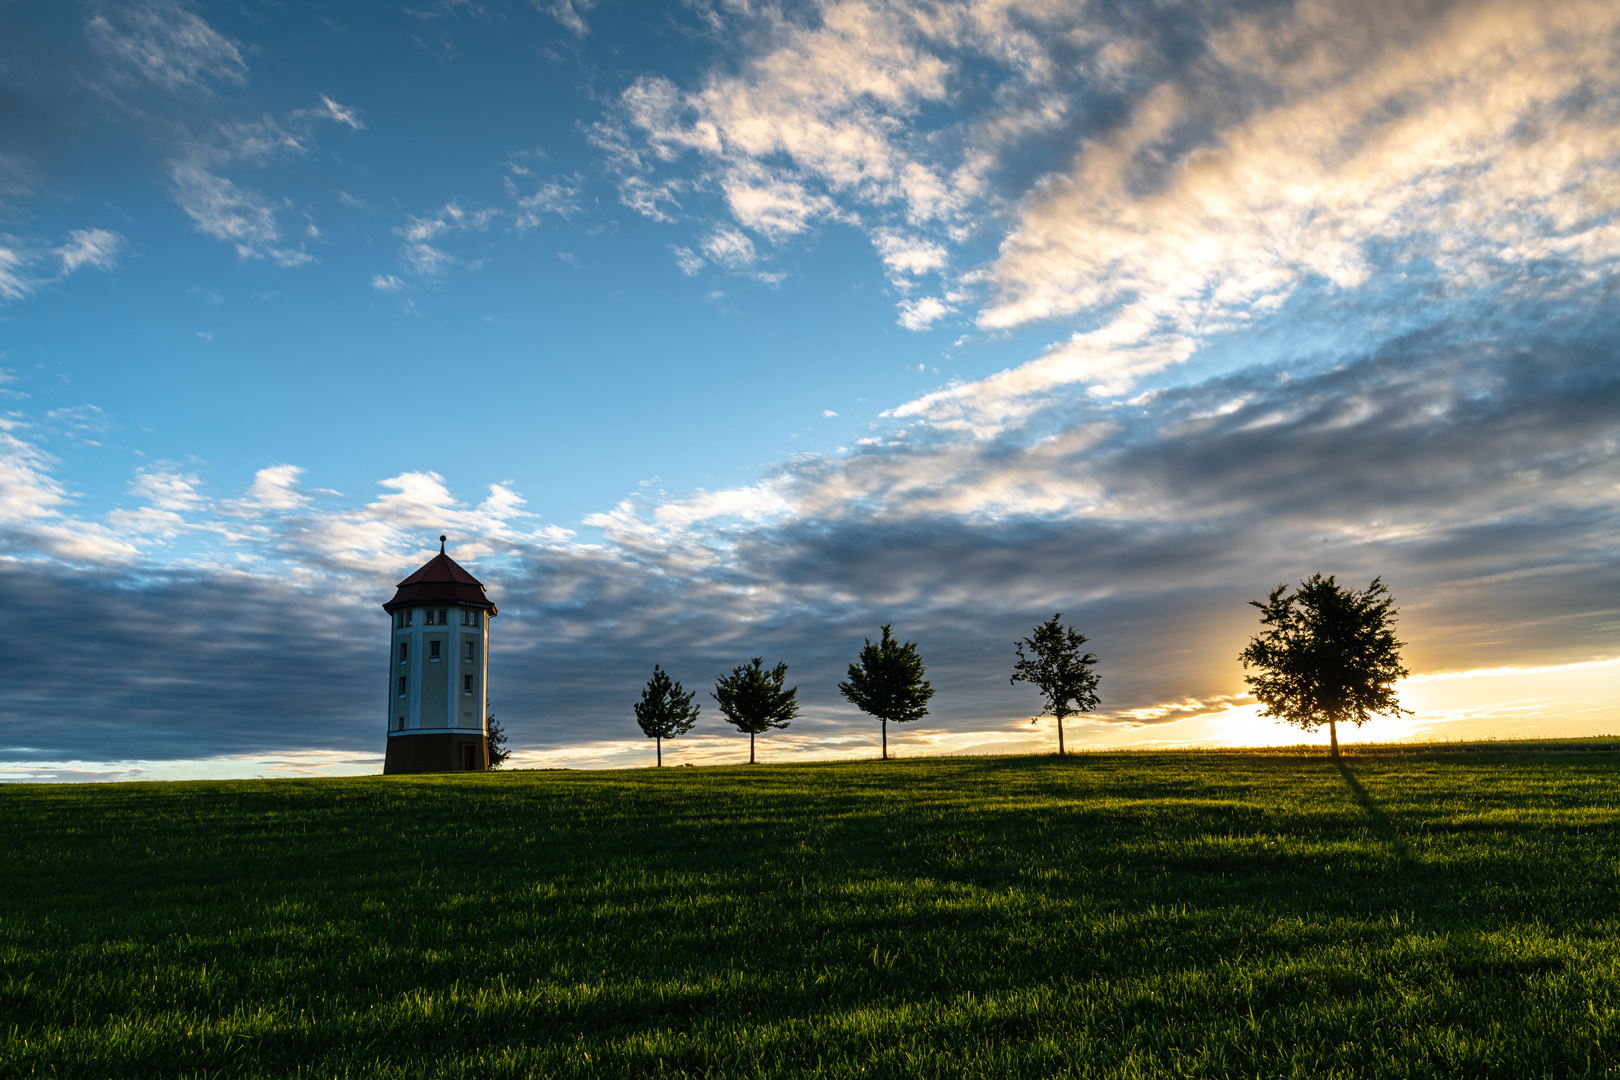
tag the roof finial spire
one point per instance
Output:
(441, 543)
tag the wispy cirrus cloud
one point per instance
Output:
(420, 253)
(162, 65)
(730, 248)
(165, 43)
(342, 114)
(26, 267)
(241, 216)
(571, 13)
(164, 68)
(426, 253)
(224, 211)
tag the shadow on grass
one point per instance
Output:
(1381, 821)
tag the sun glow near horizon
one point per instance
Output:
(1554, 701)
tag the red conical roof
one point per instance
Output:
(441, 581)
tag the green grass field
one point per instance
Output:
(1167, 914)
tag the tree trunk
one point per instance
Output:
(660, 753)
(1060, 736)
(885, 739)
(1333, 736)
(750, 748)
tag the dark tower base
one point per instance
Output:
(451, 752)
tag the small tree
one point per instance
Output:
(495, 742)
(1059, 670)
(753, 699)
(1328, 653)
(665, 711)
(888, 683)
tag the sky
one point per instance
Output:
(713, 330)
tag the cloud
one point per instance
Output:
(35, 507)
(1157, 184)
(559, 195)
(142, 666)
(386, 283)
(220, 207)
(1478, 479)
(79, 424)
(22, 263)
(571, 13)
(15, 281)
(730, 248)
(1359, 257)
(170, 496)
(923, 313)
(860, 113)
(772, 206)
(164, 43)
(1457, 146)
(423, 258)
(341, 114)
(688, 260)
(907, 254)
(27, 490)
(275, 488)
(224, 211)
(90, 247)
(166, 488)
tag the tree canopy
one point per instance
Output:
(754, 700)
(887, 682)
(1327, 653)
(1059, 670)
(495, 742)
(665, 710)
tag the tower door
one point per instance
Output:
(467, 753)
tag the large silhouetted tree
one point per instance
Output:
(753, 700)
(887, 682)
(665, 710)
(1059, 670)
(1327, 653)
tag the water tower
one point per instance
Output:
(438, 670)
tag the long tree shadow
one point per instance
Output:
(1382, 822)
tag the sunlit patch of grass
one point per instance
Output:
(1154, 914)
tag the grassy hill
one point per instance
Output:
(1168, 914)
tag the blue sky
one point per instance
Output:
(711, 330)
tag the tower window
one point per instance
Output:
(475, 618)
(433, 650)
(404, 684)
(404, 651)
(408, 613)
(468, 650)
(466, 684)
(444, 617)
(399, 723)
